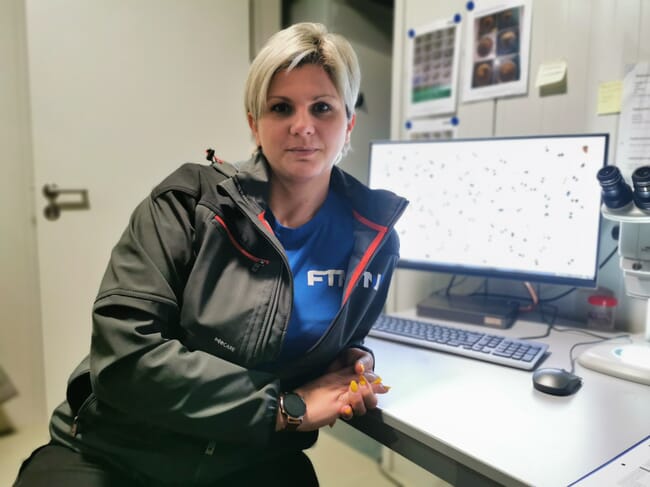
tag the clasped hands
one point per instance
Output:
(348, 388)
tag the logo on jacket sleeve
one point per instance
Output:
(224, 344)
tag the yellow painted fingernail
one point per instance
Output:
(363, 369)
(377, 380)
(362, 380)
(387, 388)
(354, 387)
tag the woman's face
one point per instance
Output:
(303, 126)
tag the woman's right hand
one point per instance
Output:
(332, 395)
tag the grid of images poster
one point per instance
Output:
(496, 48)
(432, 63)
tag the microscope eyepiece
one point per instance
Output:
(641, 183)
(616, 193)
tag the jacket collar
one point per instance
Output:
(379, 206)
(253, 177)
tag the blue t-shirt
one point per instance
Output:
(318, 253)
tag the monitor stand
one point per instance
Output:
(478, 310)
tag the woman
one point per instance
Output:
(229, 324)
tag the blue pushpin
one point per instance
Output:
(455, 121)
(408, 125)
(411, 33)
(457, 18)
(470, 5)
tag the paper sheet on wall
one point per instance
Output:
(629, 469)
(431, 129)
(633, 149)
(609, 97)
(551, 73)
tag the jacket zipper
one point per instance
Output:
(76, 423)
(209, 450)
(376, 244)
(240, 200)
(258, 262)
(266, 331)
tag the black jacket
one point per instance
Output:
(189, 321)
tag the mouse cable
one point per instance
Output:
(551, 326)
(601, 340)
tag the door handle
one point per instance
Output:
(54, 206)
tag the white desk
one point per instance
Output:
(473, 423)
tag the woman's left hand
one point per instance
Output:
(362, 392)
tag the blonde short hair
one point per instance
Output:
(297, 45)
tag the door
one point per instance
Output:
(121, 93)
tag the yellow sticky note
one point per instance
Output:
(609, 97)
(550, 73)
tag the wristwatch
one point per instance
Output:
(293, 408)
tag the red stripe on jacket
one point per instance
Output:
(381, 232)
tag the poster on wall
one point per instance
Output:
(432, 68)
(497, 49)
(633, 148)
(431, 129)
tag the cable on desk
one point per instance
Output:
(451, 284)
(603, 339)
(569, 291)
(549, 323)
(533, 297)
(484, 284)
(572, 359)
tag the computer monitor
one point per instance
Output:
(523, 208)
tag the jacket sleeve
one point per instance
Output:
(139, 364)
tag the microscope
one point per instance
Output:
(631, 209)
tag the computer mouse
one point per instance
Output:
(558, 382)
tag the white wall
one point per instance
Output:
(596, 38)
(20, 328)
(266, 19)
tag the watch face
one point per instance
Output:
(294, 405)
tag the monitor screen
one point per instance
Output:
(525, 208)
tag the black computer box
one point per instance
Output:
(478, 310)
